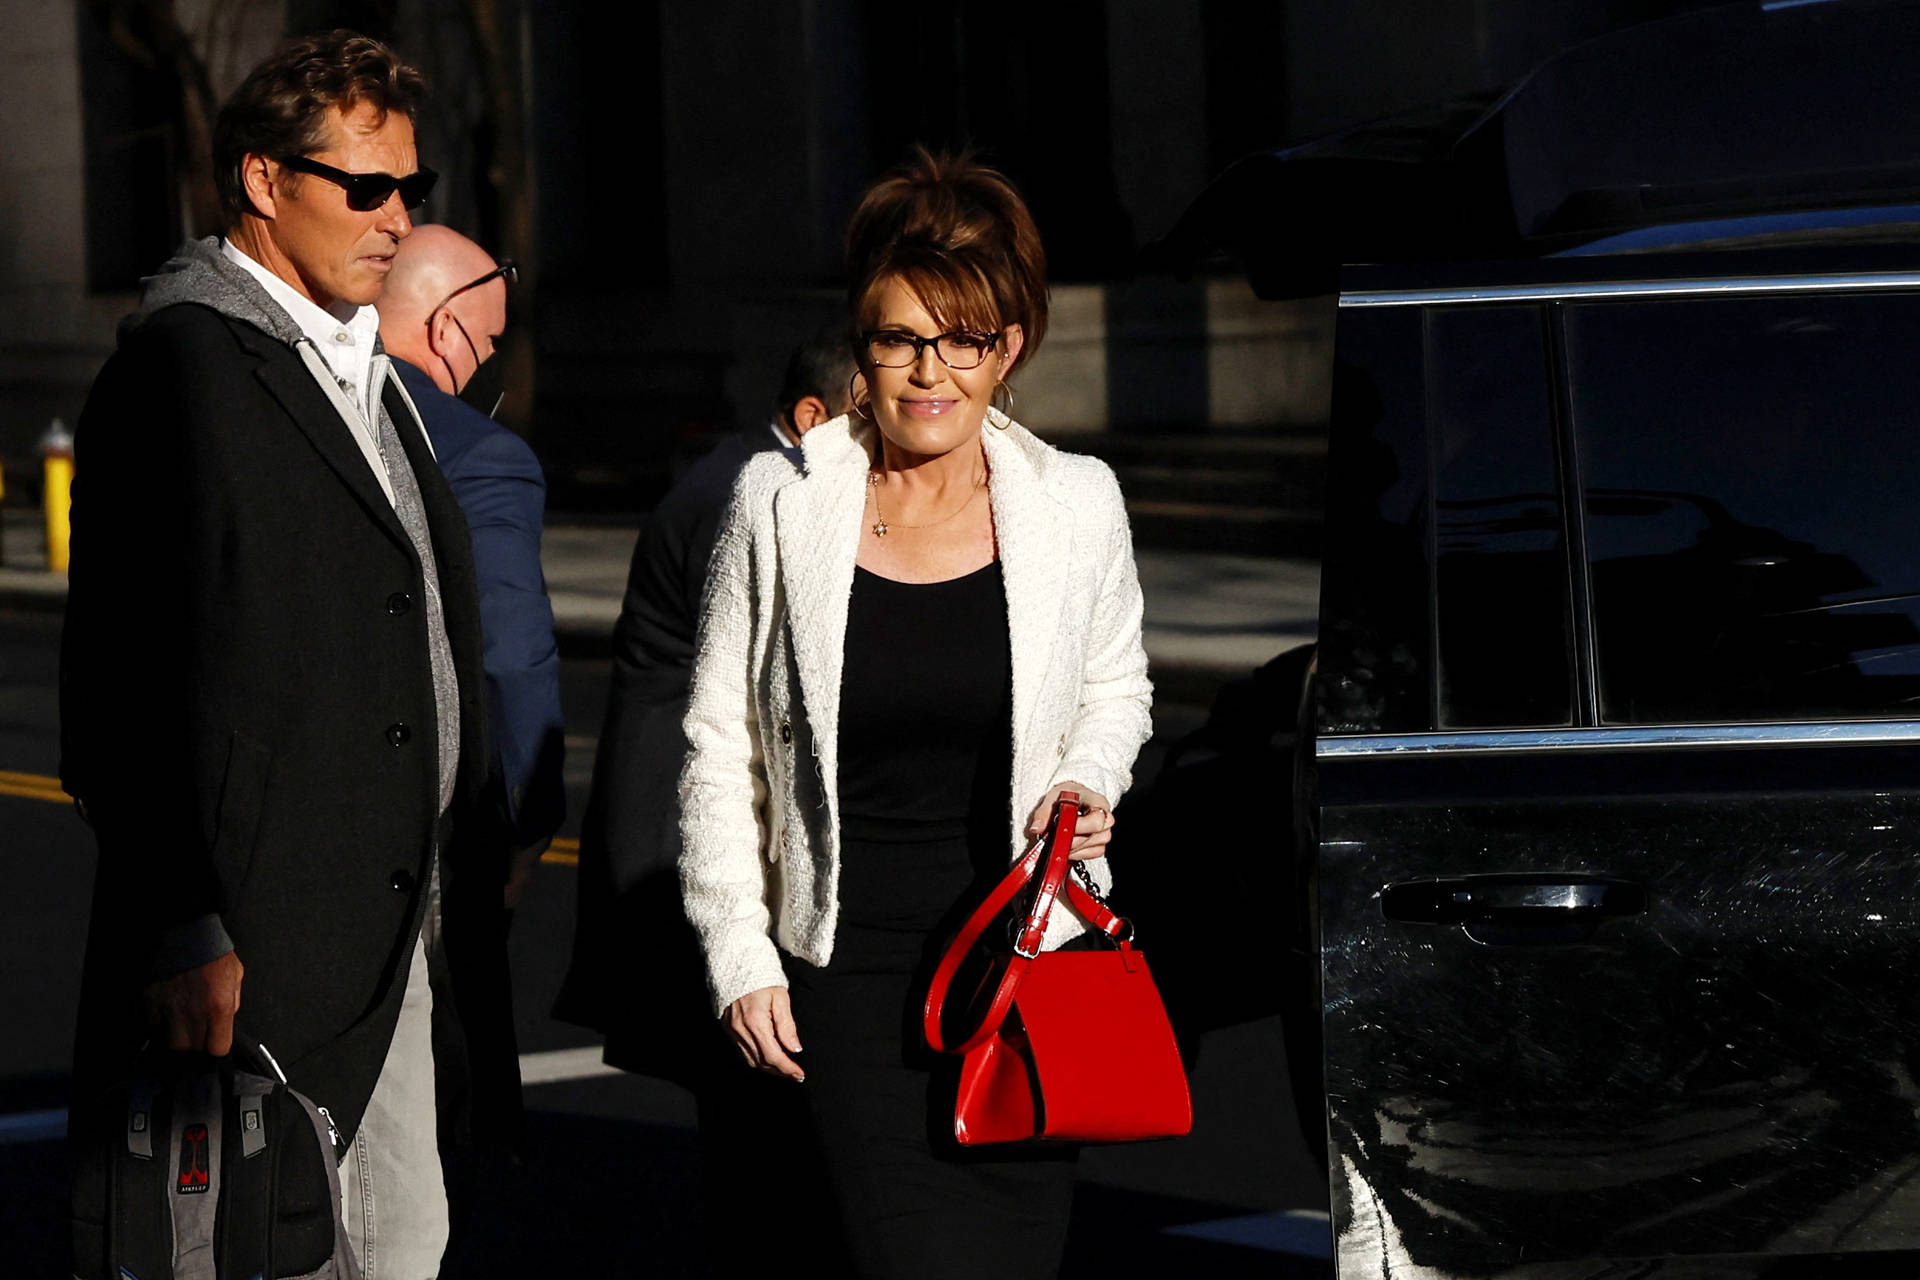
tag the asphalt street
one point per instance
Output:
(609, 1184)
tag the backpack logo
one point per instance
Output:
(193, 1161)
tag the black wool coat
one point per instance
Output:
(247, 710)
(637, 974)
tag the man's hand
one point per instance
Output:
(195, 1008)
(520, 867)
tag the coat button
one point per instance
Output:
(398, 734)
(402, 881)
(398, 603)
(786, 734)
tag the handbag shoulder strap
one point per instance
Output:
(1057, 840)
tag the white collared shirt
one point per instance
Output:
(346, 344)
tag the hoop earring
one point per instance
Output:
(994, 400)
(853, 402)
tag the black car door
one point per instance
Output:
(1619, 776)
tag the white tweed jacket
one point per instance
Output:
(760, 832)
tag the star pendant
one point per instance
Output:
(879, 528)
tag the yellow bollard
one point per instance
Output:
(56, 451)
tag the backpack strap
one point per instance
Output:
(140, 1096)
(346, 1263)
(252, 1092)
(193, 1183)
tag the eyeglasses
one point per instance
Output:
(368, 191)
(506, 271)
(896, 349)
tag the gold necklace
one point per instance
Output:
(880, 525)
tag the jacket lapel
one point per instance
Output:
(287, 380)
(453, 563)
(817, 521)
(1035, 533)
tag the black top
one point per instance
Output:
(926, 736)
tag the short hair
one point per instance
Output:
(821, 366)
(957, 234)
(281, 108)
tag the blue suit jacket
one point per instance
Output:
(630, 919)
(498, 482)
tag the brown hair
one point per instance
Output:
(959, 236)
(281, 108)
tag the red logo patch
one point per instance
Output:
(193, 1160)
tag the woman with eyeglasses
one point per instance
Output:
(912, 640)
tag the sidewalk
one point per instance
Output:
(1208, 614)
(24, 581)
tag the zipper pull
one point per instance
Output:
(332, 1132)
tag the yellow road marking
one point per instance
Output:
(563, 852)
(32, 786)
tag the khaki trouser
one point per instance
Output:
(392, 1194)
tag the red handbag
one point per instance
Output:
(1074, 1045)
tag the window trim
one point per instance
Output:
(1699, 285)
(1585, 675)
(1621, 737)
(1549, 363)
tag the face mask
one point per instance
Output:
(487, 387)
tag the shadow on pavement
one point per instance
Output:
(614, 1198)
(596, 1196)
(618, 1198)
(1126, 1233)
(33, 1209)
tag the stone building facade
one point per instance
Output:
(674, 179)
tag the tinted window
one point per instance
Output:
(1375, 620)
(1752, 502)
(1499, 538)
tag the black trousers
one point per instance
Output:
(910, 1200)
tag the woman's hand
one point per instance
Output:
(761, 1024)
(1091, 833)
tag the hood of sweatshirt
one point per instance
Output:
(199, 272)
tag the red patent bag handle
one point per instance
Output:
(1054, 880)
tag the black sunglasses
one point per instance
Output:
(368, 191)
(506, 271)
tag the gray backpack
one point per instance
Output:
(199, 1168)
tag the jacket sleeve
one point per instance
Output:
(1114, 717)
(129, 658)
(502, 492)
(723, 788)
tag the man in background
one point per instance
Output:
(638, 974)
(445, 306)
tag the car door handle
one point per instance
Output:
(1518, 908)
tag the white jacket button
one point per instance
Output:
(1062, 750)
(786, 734)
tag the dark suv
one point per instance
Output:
(1616, 727)
(1619, 763)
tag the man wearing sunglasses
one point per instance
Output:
(444, 307)
(271, 696)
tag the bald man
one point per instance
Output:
(444, 306)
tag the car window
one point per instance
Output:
(1503, 626)
(1751, 493)
(1376, 639)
